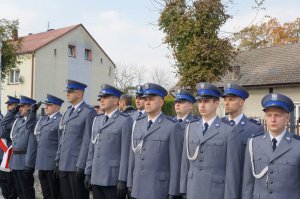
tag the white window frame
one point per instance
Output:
(15, 79)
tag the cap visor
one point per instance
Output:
(266, 108)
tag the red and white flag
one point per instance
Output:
(6, 156)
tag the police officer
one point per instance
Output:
(139, 103)
(7, 182)
(156, 150)
(125, 104)
(22, 163)
(184, 101)
(210, 166)
(234, 99)
(107, 163)
(44, 144)
(75, 134)
(272, 161)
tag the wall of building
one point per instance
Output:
(52, 71)
(18, 89)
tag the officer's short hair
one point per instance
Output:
(127, 99)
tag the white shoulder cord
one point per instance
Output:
(264, 171)
(35, 132)
(195, 156)
(94, 140)
(61, 126)
(138, 148)
(12, 129)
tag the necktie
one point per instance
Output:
(179, 120)
(23, 120)
(149, 124)
(274, 142)
(232, 122)
(47, 118)
(105, 119)
(72, 110)
(205, 128)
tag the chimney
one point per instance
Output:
(15, 36)
(236, 72)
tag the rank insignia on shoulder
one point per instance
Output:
(172, 119)
(297, 137)
(254, 121)
(124, 114)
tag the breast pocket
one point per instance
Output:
(137, 139)
(75, 129)
(287, 168)
(260, 162)
(215, 147)
(159, 143)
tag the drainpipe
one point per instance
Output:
(32, 73)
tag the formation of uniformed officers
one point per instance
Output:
(120, 152)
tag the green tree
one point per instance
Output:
(10, 47)
(191, 32)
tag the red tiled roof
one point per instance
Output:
(33, 42)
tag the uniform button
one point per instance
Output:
(200, 168)
(271, 182)
(144, 149)
(100, 140)
(142, 158)
(62, 150)
(270, 191)
(271, 172)
(98, 156)
(201, 151)
(201, 160)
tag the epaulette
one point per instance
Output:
(141, 117)
(194, 119)
(297, 137)
(172, 119)
(256, 135)
(89, 106)
(124, 114)
(225, 120)
(255, 121)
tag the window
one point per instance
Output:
(101, 61)
(72, 51)
(109, 71)
(88, 54)
(14, 76)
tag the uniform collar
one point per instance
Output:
(154, 119)
(278, 137)
(210, 121)
(111, 113)
(77, 105)
(142, 111)
(184, 117)
(52, 115)
(237, 119)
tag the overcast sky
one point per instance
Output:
(126, 29)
